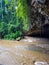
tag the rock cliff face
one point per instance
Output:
(39, 17)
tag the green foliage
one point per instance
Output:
(3, 29)
(12, 36)
(6, 1)
(14, 18)
(23, 11)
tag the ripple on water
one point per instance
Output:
(6, 59)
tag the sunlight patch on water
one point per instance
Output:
(4, 48)
(41, 63)
(28, 40)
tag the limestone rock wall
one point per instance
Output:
(39, 16)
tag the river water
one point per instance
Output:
(29, 51)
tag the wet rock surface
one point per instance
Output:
(39, 18)
(23, 52)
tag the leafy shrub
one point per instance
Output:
(3, 29)
(10, 36)
(13, 36)
(15, 20)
